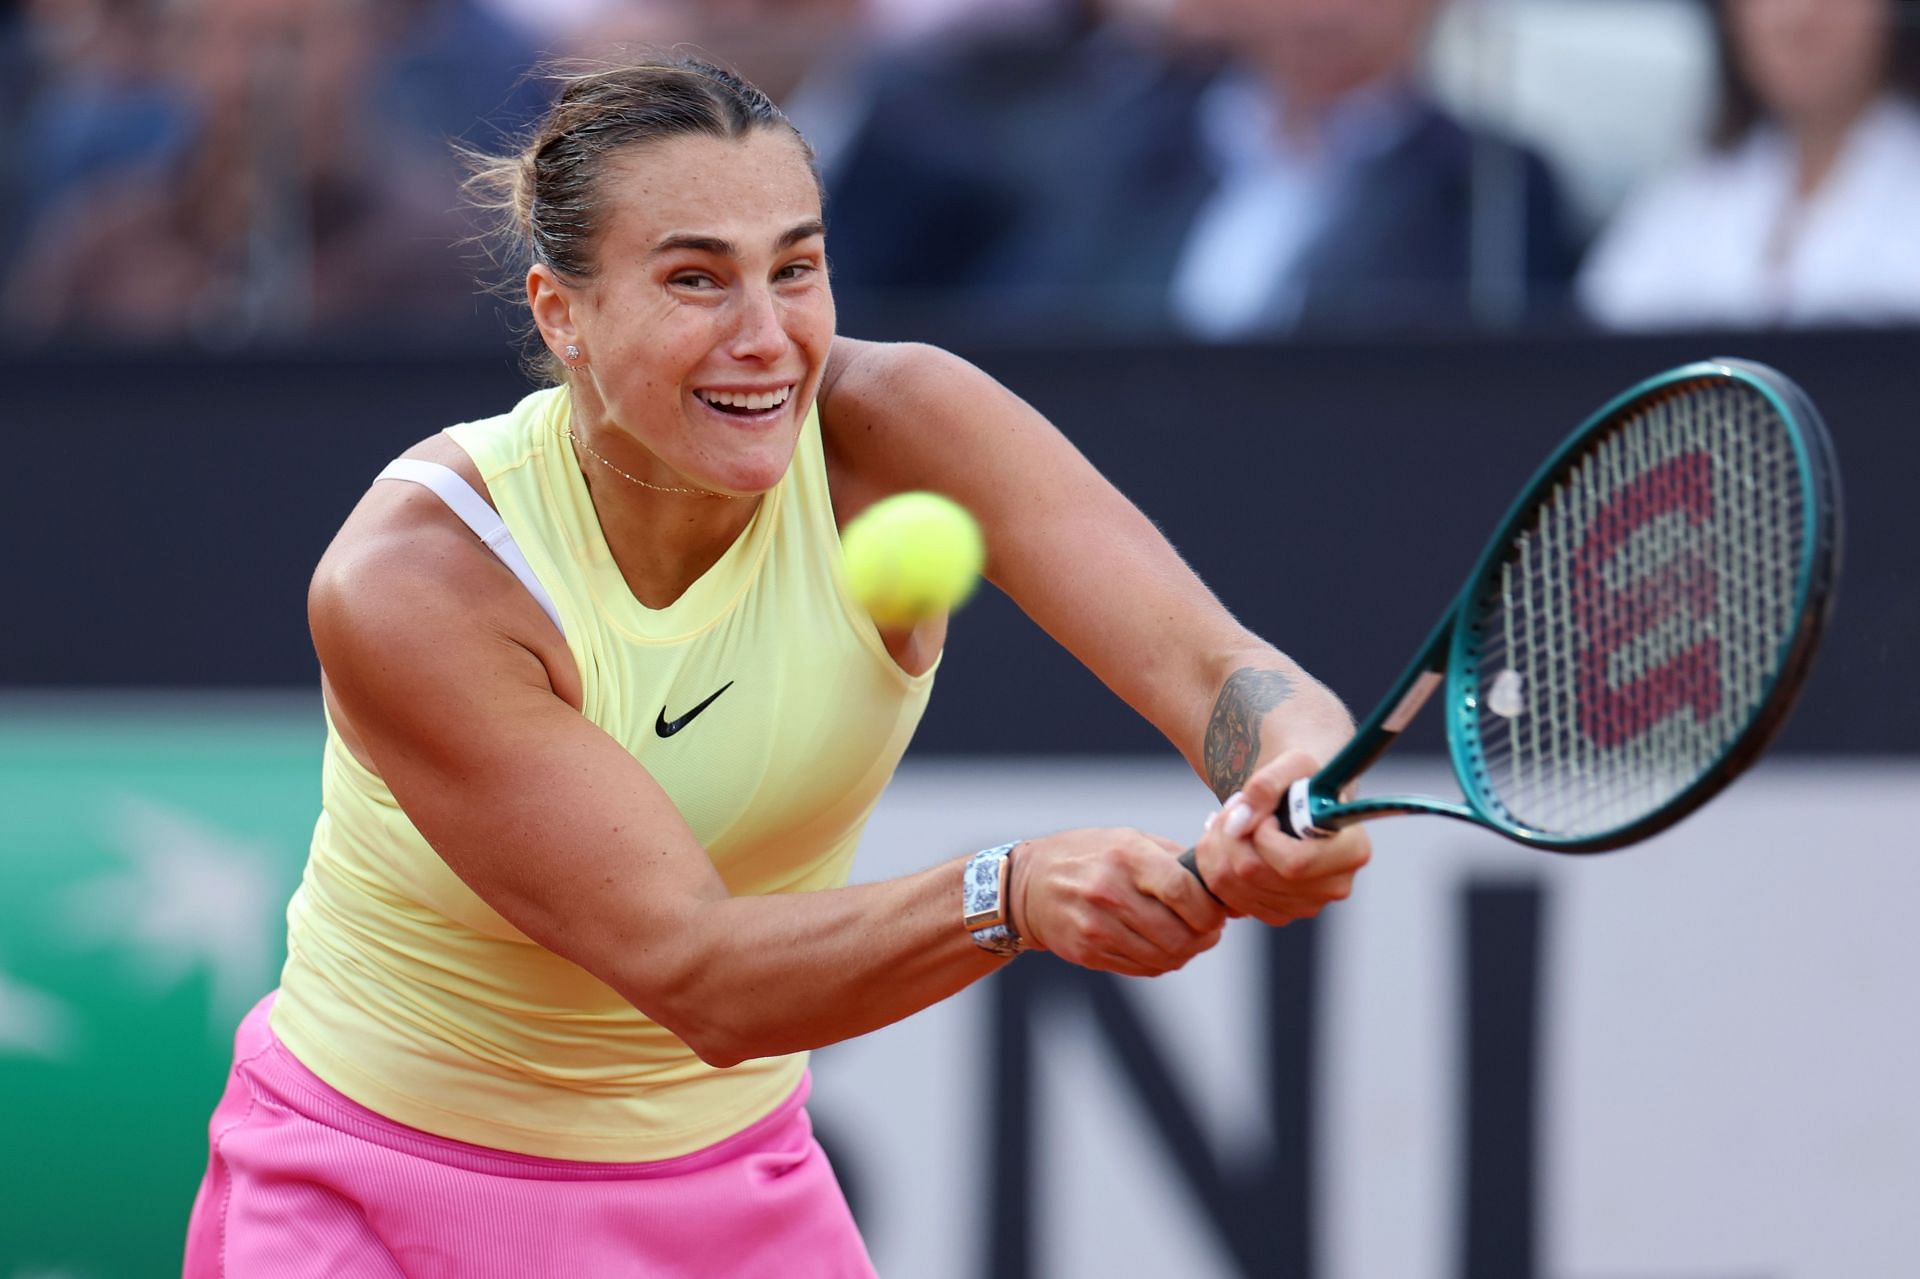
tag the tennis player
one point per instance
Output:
(604, 725)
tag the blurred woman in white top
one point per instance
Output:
(1805, 208)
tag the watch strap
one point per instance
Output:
(986, 906)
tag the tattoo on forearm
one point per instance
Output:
(1233, 733)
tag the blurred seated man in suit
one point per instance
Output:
(908, 137)
(940, 152)
(1286, 169)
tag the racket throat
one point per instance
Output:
(1412, 700)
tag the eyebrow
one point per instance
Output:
(728, 249)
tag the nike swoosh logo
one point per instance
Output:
(666, 728)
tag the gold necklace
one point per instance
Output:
(658, 488)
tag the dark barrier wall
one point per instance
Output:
(161, 516)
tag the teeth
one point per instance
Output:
(753, 401)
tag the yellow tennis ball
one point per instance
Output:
(911, 556)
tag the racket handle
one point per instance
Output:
(1191, 861)
(1296, 809)
(1296, 812)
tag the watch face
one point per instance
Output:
(984, 901)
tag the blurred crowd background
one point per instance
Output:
(1312, 281)
(232, 174)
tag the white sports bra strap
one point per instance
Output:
(474, 512)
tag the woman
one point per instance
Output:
(1801, 211)
(574, 910)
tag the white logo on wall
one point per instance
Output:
(192, 898)
(34, 1023)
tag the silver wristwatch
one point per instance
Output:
(986, 902)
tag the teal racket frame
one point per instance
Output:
(1449, 660)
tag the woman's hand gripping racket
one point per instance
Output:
(1636, 631)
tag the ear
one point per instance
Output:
(552, 303)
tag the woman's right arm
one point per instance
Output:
(430, 652)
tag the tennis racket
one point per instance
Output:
(1638, 628)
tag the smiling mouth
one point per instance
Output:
(746, 403)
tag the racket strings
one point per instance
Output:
(1639, 621)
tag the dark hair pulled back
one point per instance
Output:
(1739, 107)
(542, 201)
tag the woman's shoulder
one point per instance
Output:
(885, 387)
(884, 405)
(404, 560)
(506, 440)
(473, 450)
(400, 537)
(440, 449)
(867, 375)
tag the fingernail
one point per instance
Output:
(1231, 800)
(1239, 817)
(1211, 819)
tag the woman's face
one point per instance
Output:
(1811, 60)
(708, 322)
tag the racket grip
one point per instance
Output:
(1191, 860)
(1296, 812)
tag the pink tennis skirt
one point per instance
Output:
(304, 1182)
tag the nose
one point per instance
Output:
(758, 333)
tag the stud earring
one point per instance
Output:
(573, 354)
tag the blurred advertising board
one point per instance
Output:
(1691, 1060)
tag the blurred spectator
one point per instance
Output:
(81, 98)
(955, 160)
(226, 171)
(1804, 208)
(1281, 167)
(284, 203)
(458, 69)
(809, 56)
(931, 154)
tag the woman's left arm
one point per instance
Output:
(1085, 564)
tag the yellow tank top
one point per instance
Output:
(406, 992)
